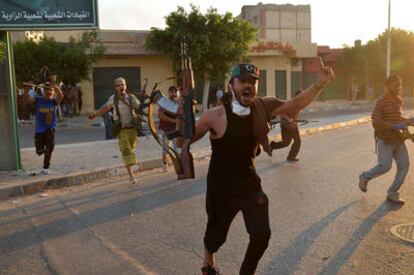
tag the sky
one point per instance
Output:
(334, 22)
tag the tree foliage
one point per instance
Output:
(215, 41)
(71, 61)
(368, 62)
(2, 51)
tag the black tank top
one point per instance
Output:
(232, 166)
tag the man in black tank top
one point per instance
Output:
(232, 182)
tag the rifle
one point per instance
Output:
(394, 135)
(169, 106)
(300, 122)
(407, 135)
(142, 96)
(183, 163)
(187, 119)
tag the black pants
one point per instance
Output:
(45, 143)
(287, 135)
(255, 210)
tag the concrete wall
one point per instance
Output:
(280, 23)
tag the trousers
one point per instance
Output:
(287, 135)
(386, 153)
(255, 210)
(45, 144)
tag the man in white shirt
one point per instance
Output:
(125, 107)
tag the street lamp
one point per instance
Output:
(388, 41)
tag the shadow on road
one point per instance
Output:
(168, 194)
(289, 258)
(358, 236)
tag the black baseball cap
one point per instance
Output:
(245, 71)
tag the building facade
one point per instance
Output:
(282, 49)
(281, 23)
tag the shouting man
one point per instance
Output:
(237, 128)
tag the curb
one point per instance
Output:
(79, 178)
(72, 179)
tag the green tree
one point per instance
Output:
(71, 61)
(368, 62)
(215, 42)
(2, 51)
(402, 56)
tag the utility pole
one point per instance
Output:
(389, 40)
(9, 134)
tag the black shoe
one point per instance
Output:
(363, 184)
(292, 159)
(209, 270)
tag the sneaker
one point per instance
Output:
(363, 184)
(292, 159)
(395, 198)
(44, 172)
(132, 180)
(209, 270)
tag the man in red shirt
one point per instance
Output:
(388, 122)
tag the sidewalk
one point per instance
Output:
(79, 163)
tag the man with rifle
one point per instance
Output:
(289, 130)
(389, 125)
(237, 128)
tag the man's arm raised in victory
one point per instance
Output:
(307, 96)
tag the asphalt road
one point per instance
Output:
(321, 223)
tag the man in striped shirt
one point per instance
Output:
(388, 121)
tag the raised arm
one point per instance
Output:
(59, 94)
(307, 96)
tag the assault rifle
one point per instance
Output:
(142, 96)
(395, 135)
(183, 163)
(186, 123)
(407, 135)
(300, 122)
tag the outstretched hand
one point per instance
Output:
(326, 73)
